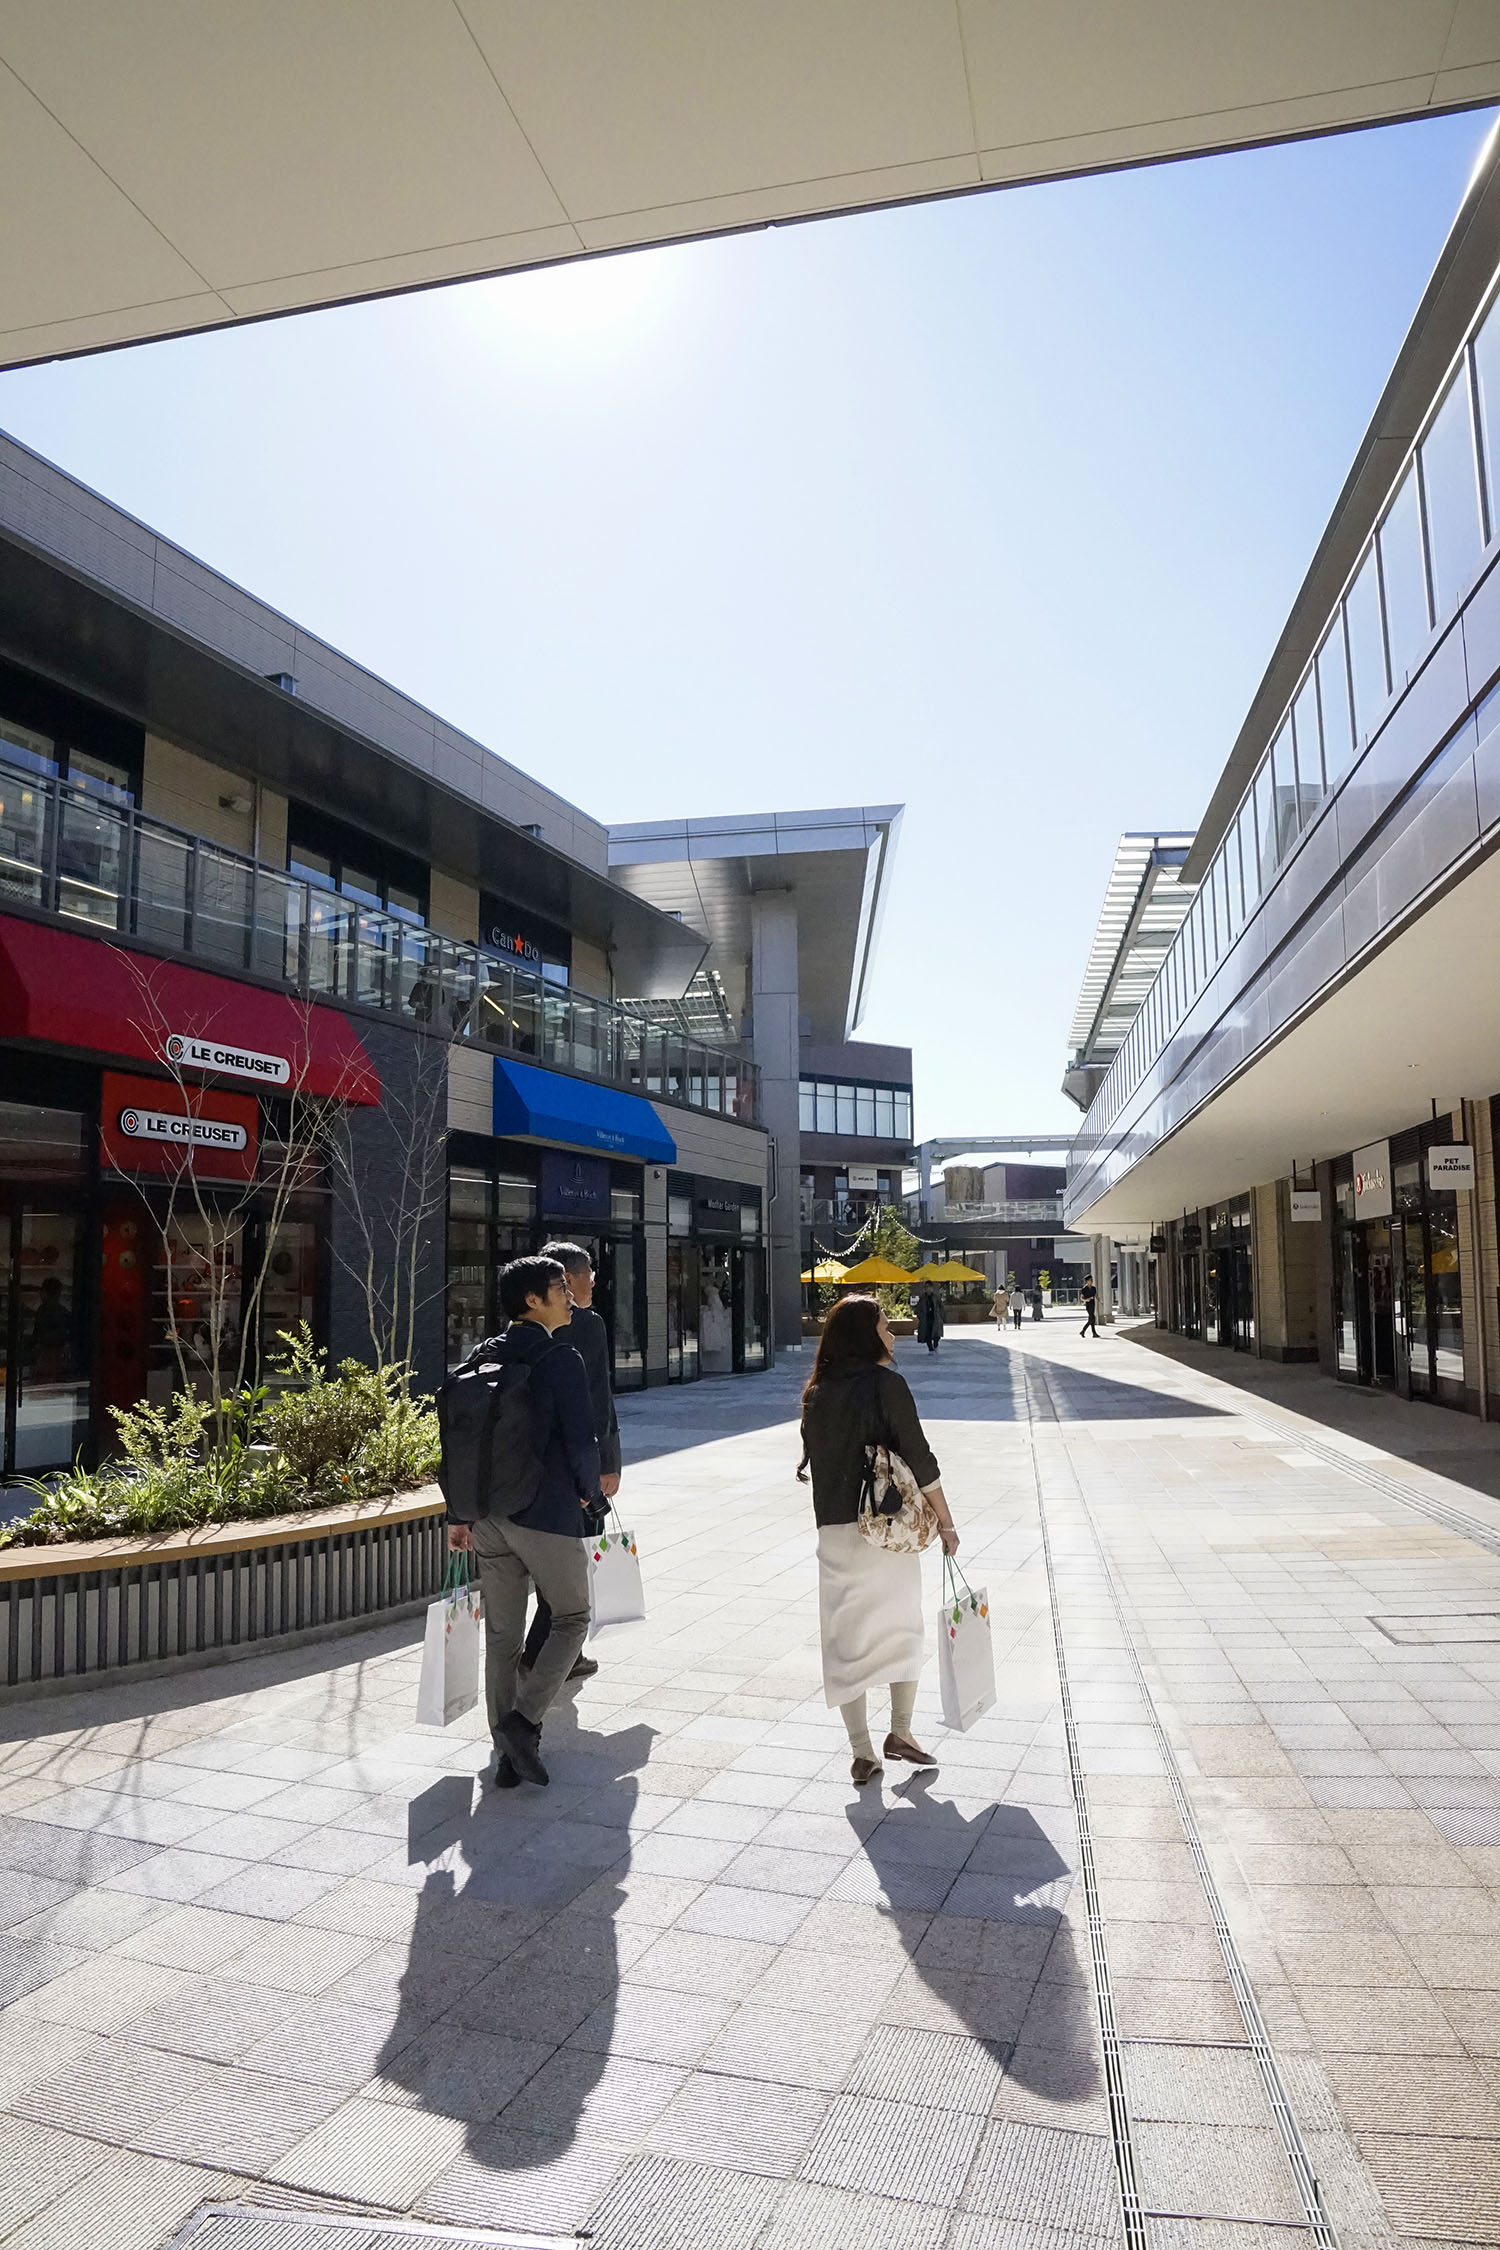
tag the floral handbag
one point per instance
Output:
(894, 1512)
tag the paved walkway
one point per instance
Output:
(266, 1942)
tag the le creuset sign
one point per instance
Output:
(189, 1052)
(164, 1125)
(149, 1125)
(1451, 1167)
(1372, 1181)
(1307, 1206)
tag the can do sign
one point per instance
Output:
(191, 1053)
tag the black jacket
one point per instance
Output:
(855, 1408)
(565, 1428)
(589, 1337)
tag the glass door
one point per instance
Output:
(47, 1382)
(1380, 1306)
(715, 1311)
(684, 1296)
(621, 1287)
(749, 1310)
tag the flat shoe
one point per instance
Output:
(585, 1668)
(506, 1776)
(896, 1746)
(865, 1770)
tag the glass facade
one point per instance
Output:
(866, 1113)
(1432, 538)
(1397, 1280)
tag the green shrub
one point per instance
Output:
(347, 1434)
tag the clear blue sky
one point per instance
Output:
(994, 507)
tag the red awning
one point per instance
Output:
(90, 993)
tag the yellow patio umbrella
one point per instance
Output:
(952, 1269)
(932, 1271)
(875, 1269)
(827, 1269)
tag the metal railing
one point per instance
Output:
(68, 851)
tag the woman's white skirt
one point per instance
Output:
(869, 1613)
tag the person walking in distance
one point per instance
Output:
(1001, 1305)
(869, 1599)
(1018, 1307)
(929, 1316)
(542, 1542)
(589, 1337)
(1090, 1295)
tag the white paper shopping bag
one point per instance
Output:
(449, 1683)
(616, 1595)
(966, 1660)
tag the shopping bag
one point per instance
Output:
(449, 1684)
(966, 1661)
(616, 1595)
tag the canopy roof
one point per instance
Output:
(165, 168)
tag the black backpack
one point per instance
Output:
(488, 1423)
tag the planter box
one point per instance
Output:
(812, 1327)
(71, 1613)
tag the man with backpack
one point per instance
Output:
(589, 1337)
(521, 1478)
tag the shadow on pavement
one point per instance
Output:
(1431, 1437)
(995, 1960)
(1078, 1396)
(718, 1406)
(514, 1949)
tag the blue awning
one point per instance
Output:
(543, 1105)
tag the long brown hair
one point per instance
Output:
(850, 1339)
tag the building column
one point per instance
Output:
(775, 1010)
(1105, 1311)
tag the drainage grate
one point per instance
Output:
(1131, 2213)
(248, 2226)
(1315, 2217)
(1435, 1630)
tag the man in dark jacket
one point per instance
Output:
(589, 1337)
(542, 1544)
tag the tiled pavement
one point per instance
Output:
(262, 1939)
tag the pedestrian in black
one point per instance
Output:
(589, 1337)
(1090, 1309)
(929, 1316)
(542, 1544)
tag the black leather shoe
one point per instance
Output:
(521, 1740)
(584, 1669)
(505, 1774)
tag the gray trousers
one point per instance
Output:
(511, 1561)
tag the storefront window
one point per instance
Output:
(43, 1317)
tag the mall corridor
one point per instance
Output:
(1194, 1940)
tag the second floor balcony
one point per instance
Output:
(74, 855)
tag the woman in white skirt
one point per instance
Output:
(869, 1599)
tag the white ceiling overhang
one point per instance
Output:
(166, 167)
